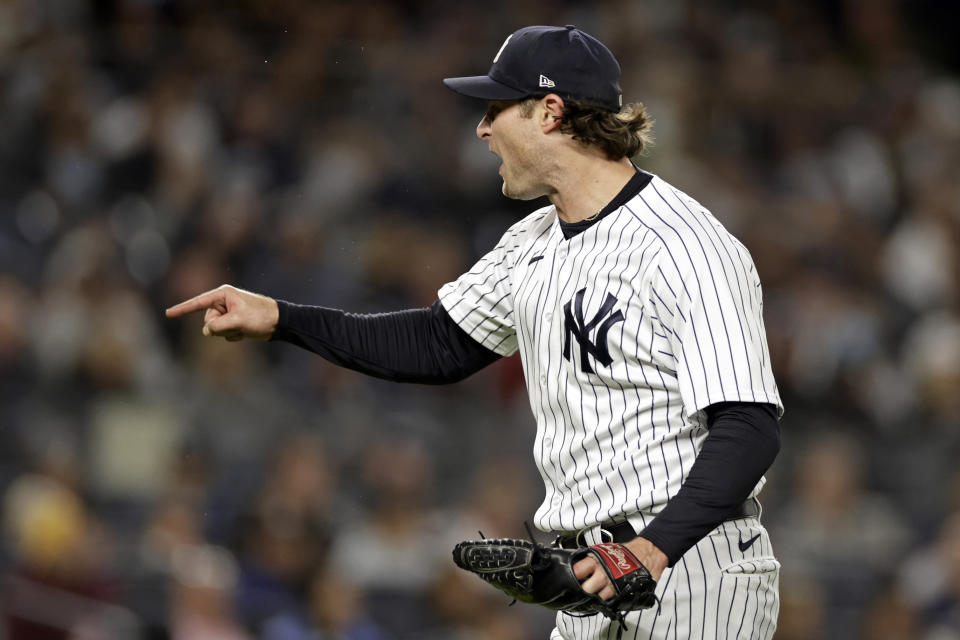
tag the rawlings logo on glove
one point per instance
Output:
(537, 574)
(617, 554)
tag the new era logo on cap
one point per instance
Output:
(534, 61)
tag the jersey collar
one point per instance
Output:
(634, 186)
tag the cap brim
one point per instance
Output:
(483, 87)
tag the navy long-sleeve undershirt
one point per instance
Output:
(743, 441)
(428, 347)
(416, 345)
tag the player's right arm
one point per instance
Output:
(232, 313)
(415, 345)
(469, 327)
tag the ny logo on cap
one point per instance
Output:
(546, 82)
(502, 47)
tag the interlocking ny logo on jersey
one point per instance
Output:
(573, 323)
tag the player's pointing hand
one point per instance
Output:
(232, 313)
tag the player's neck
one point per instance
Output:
(588, 185)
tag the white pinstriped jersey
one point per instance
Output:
(627, 331)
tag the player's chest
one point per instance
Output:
(582, 296)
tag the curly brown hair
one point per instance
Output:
(623, 134)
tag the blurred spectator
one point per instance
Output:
(14, 300)
(285, 535)
(171, 527)
(837, 535)
(500, 498)
(931, 581)
(890, 616)
(801, 608)
(932, 354)
(60, 583)
(202, 601)
(395, 551)
(334, 609)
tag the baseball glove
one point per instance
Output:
(537, 574)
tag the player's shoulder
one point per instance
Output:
(537, 220)
(677, 219)
(529, 227)
(689, 238)
(661, 205)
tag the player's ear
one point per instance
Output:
(552, 114)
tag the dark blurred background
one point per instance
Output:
(159, 485)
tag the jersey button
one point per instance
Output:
(547, 316)
(543, 379)
(547, 442)
(562, 252)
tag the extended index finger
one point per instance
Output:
(203, 301)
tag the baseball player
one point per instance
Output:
(638, 319)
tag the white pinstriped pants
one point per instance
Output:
(714, 591)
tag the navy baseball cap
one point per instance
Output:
(535, 61)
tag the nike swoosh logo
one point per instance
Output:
(746, 545)
(534, 259)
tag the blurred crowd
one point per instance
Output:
(156, 484)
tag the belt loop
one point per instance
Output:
(591, 535)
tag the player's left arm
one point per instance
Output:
(743, 441)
